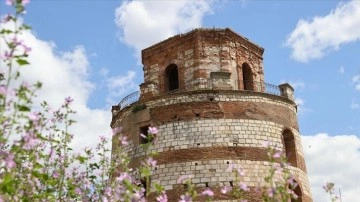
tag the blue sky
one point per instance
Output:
(314, 45)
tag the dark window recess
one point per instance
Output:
(145, 137)
(172, 77)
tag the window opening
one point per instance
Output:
(145, 137)
(289, 145)
(247, 83)
(172, 77)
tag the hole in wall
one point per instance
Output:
(227, 162)
(206, 184)
(231, 183)
(211, 99)
(198, 144)
(196, 164)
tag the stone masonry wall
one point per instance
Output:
(196, 55)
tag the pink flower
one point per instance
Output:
(9, 161)
(9, 2)
(225, 189)
(24, 2)
(3, 90)
(185, 198)
(151, 162)
(116, 130)
(34, 117)
(68, 100)
(26, 48)
(153, 130)
(240, 172)
(162, 197)
(266, 144)
(271, 192)
(123, 140)
(207, 192)
(244, 187)
(277, 154)
(55, 175)
(78, 190)
(184, 177)
(230, 168)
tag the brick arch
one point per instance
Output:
(245, 77)
(298, 190)
(288, 139)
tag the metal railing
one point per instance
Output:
(209, 84)
(129, 99)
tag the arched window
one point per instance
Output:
(171, 77)
(298, 193)
(290, 148)
(247, 80)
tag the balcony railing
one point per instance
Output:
(129, 99)
(209, 84)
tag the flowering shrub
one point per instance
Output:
(37, 163)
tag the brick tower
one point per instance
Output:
(205, 92)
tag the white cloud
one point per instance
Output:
(299, 101)
(356, 81)
(297, 85)
(333, 159)
(119, 85)
(143, 23)
(66, 74)
(341, 70)
(354, 105)
(312, 39)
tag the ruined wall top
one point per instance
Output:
(202, 59)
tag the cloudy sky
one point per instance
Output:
(89, 49)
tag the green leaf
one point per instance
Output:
(23, 108)
(5, 31)
(22, 62)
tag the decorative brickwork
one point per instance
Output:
(205, 92)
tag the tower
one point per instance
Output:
(205, 92)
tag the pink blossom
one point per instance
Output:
(68, 100)
(55, 175)
(143, 136)
(123, 176)
(277, 154)
(266, 144)
(244, 187)
(78, 190)
(153, 130)
(9, 2)
(6, 19)
(151, 162)
(225, 189)
(116, 130)
(240, 172)
(34, 116)
(207, 192)
(24, 2)
(271, 192)
(184, 177)
(162, 197)
(123, 140)
(3, 90)
(185, 198)
(9, 161)
(230, 168)
(26, 48)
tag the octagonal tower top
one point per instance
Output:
(217, 59)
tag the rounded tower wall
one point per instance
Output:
(205, 92)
